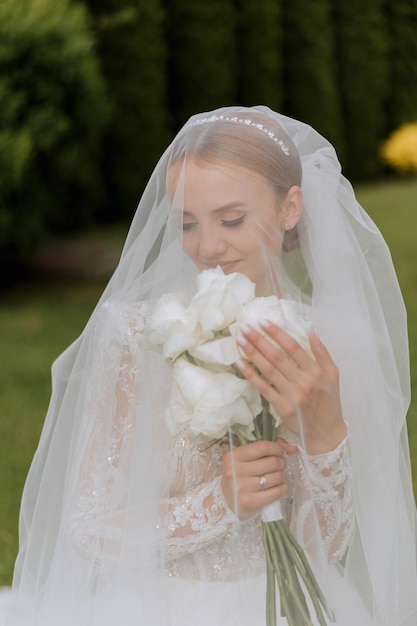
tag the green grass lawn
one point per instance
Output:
(38, 322)
(393, 207)
(35, 326)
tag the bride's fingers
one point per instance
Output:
(268, 481)
(245, 502)
(263, 353)
(295, 353)
(322, 355)
(268, 465)
(269, 386)
(258, 451)
(289, 448)
(254, 475)
(278, 364)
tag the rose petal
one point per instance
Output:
(208, 402)
(223, 351)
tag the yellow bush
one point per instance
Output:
(399, 151)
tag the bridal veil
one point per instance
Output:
(98, 543)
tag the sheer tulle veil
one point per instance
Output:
(92, 547)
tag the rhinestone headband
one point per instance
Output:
(246, 122)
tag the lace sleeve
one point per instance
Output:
(106, 440)
(197, 528)
(196, 519)
(321, 492)
(196, 513)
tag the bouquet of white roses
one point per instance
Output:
(210, 398)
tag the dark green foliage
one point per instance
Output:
(402, 30)
(311, 92)
(347, 68)
(259, 56)
(361, 31)
(132, 49)
(52, 111)
(202, 68)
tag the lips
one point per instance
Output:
(227, 266)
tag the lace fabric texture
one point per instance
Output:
(198, 534)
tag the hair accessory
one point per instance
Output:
(245, 121)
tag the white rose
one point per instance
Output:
(221, 351)
(296, 323)
(209, 403)
(170, 327)
(283, 313)
(219, 299)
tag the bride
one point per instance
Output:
(129, 515)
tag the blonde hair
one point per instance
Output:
(257, 143)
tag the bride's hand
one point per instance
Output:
(254, 475)
(303, 390)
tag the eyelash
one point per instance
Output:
(231, 223)
(189, 226)
(226, 223)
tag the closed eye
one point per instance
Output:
(232, 223)
(187, 226)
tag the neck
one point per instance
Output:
(268, 287)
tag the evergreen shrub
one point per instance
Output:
(52, 112)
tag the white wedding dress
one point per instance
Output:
(206, 578)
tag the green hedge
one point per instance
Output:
(132, 49)
(311, 89)
(259, 53)
(202, 56)
(347, 68)
(363, 57)
(52, 111)
(402, 37)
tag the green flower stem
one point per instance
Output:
(286, 563)
(291, 580)
(240, 438)
(292, 584)
(266, 421)
(285, 600)
(271, 605)
(258, 432)
(309, 579)
(308, 574)
(188, 356)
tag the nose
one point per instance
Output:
(211, 242)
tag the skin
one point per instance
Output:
(233, 218)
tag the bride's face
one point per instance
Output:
(231, 217)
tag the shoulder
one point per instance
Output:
(121, 320)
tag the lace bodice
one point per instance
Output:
(196, 530)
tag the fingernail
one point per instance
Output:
(244, 328)
(242, 365)
(316, 333)
(264, 323)
(242, 341)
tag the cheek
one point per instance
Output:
(260, 242)
(270, 238)
(189, 245)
